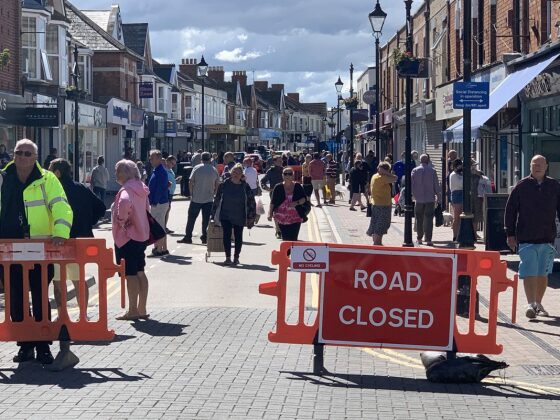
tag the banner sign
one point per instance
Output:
(146, 90)
(378, 298)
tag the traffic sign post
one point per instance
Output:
(471, 95)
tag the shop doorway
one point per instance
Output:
(550, 148)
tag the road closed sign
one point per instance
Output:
(384, 299)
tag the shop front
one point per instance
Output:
(92, 133)
(170, 136)
(270, 137)
(226, 137)
(11, 107)
(541, 119)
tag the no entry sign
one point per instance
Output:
(384, 299)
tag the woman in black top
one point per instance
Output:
(289, 205)
(358, 184)
(234, 207)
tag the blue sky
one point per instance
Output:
(305, 45)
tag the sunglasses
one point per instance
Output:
(288, 173)
(24, 153)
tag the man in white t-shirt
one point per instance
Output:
(251, 175)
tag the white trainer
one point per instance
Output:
(531, 311)
(540, 310)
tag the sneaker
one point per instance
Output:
(169, 231)
(236, 261)
(185, 240)
(430, 243)
(540, 310)
(531, 311)
(353, 209)
(318, 206)
(203, 241)
(419, 241)
(45, 358)
(155, 254)
(164, 253)
(227, 261)
(24, 355)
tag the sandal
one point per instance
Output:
(145, 316)
(127, 317)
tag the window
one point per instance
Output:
(29, 47)
(53, 52)
(188, 107)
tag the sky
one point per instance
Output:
(304, 44)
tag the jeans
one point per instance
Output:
(99, 192)
(227, 226)
(424, 213)
(194, 210)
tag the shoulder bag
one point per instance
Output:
(156, 231)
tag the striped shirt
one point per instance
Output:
(332, 169)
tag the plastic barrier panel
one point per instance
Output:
(388, 297)
(32, 253)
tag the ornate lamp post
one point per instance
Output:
(75, 77)
(377, 19)
(338, 86)
(202, 71)
(408, 211)
(351, 109)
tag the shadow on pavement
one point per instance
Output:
(518, 327)
(263, 226)
(32, 373)
(253, 243)
(393, 383)
(254, 267)
(177, 259)
(159, 329)
(118, 338)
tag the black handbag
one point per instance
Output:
(156, 231)
(303, 210)
(368, 210)
(438, 213)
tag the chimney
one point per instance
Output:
(216, 73)
(239, 76)
(261, 85)
(189, 67)
(294, 96)
(277, 87)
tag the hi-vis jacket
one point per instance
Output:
(46, 207)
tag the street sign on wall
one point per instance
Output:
(376, 298)
(471, 95)
(369, 96)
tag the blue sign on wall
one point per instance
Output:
(471, 95)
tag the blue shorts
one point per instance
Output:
(457, 197)
(536, 259)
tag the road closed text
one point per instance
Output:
(378, 281)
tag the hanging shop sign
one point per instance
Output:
(146, 90)
(118, 112)
(89, 116)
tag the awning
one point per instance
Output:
(499, 97)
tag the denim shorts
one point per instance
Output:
(457, 197)
(536, 259)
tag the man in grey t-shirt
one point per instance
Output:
(203, 184)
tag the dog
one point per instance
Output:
(447, 219)
(339, 195)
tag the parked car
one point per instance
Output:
(239, 156)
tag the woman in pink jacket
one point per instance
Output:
(130, 231)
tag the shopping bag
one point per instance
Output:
(156, 231)
(260, 207)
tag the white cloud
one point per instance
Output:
(236, 55)
(242, 37)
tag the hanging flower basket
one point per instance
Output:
(405, 63)
(351, 103)
(4, 58)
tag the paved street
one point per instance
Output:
(204, 352)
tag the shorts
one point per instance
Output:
(536, 259)
(158, 211)
(457, 197)
(318, 184)
(72, 272)
(134, 257)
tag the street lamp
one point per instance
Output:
(202, 71)
(76, 76)
(466, 236)
(338, 86)
(408, 210)
(351, 157)
(377, 19)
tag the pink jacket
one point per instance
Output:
(129, 213)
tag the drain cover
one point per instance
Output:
(542, 370)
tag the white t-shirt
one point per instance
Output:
(455, 181)
(251, 177)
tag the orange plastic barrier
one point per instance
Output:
(474, 264)
(29, 253)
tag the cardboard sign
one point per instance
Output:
(310, 259)
(379, 299)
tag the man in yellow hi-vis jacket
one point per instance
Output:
(32, 205)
